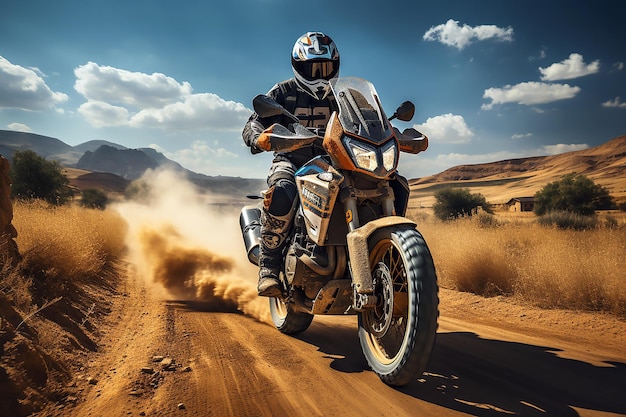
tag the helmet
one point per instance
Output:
(315, 60)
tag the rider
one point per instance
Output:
(315, 61)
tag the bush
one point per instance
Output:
(94, 199)
(453, 203)
(573, 193)
(34, 177)
(568, 220)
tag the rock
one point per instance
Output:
(181, 406)
(168, 364)
(92, 381)
(147, 370)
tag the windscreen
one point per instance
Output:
(360, 111)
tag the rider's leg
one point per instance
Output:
(276, 219)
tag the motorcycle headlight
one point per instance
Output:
(364, 156)
(389, 156)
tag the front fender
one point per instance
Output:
(359, 252)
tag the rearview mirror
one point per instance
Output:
(405, 112)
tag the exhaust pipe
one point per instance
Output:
(250, 223)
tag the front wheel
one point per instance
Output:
(397, 336)
(286, 319)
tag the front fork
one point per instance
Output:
(357, 238)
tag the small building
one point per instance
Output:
(520, 204)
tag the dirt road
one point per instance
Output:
(173, 358)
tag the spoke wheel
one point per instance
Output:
(398, 334)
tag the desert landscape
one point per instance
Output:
(149, 308)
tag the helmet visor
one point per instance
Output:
(316, 69)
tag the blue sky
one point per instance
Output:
(491, 79)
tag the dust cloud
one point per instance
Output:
(191, 245)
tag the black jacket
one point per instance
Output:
(311, 112)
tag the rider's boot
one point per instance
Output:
(273, 235)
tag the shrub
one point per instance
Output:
(94, 199)
(488, 220)
(568, 220)
(453, 203)
(36, 178)
(573, 193)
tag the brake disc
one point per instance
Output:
(378, 318)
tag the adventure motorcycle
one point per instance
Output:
(350, 250)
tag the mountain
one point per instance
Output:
(500, 181)
(99, 162)
(129, 164)
(47, 147)
(92, 145)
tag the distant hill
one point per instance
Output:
(500, 181)
(104, 157)
(129, 164)
(47, 147)
(92, 145)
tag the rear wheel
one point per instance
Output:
(286, 319)
(397, 336)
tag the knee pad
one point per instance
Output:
(280, 197)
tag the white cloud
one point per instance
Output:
(572, 67)
(529, 93)
(618, 66)
(101, 114)
(19, 127)
(447, 128)
(117, 97)
(562, 148)
(616, 102)
(24, 88)
(452, 34)
(198, 111)
(542, 55)
(113, 85)
(521, 136)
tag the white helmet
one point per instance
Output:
(315, 60)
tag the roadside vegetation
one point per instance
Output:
(54, 298)
(542, 265)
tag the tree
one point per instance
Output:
(35, 177)
(456, 202)
(573, 193)
(93, 198)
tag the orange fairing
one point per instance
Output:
(333, 146)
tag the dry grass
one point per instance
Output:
(67, 244)
(51, 298)
(543, 266)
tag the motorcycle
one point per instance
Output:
(350, 249)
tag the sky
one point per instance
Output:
(491, 79)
